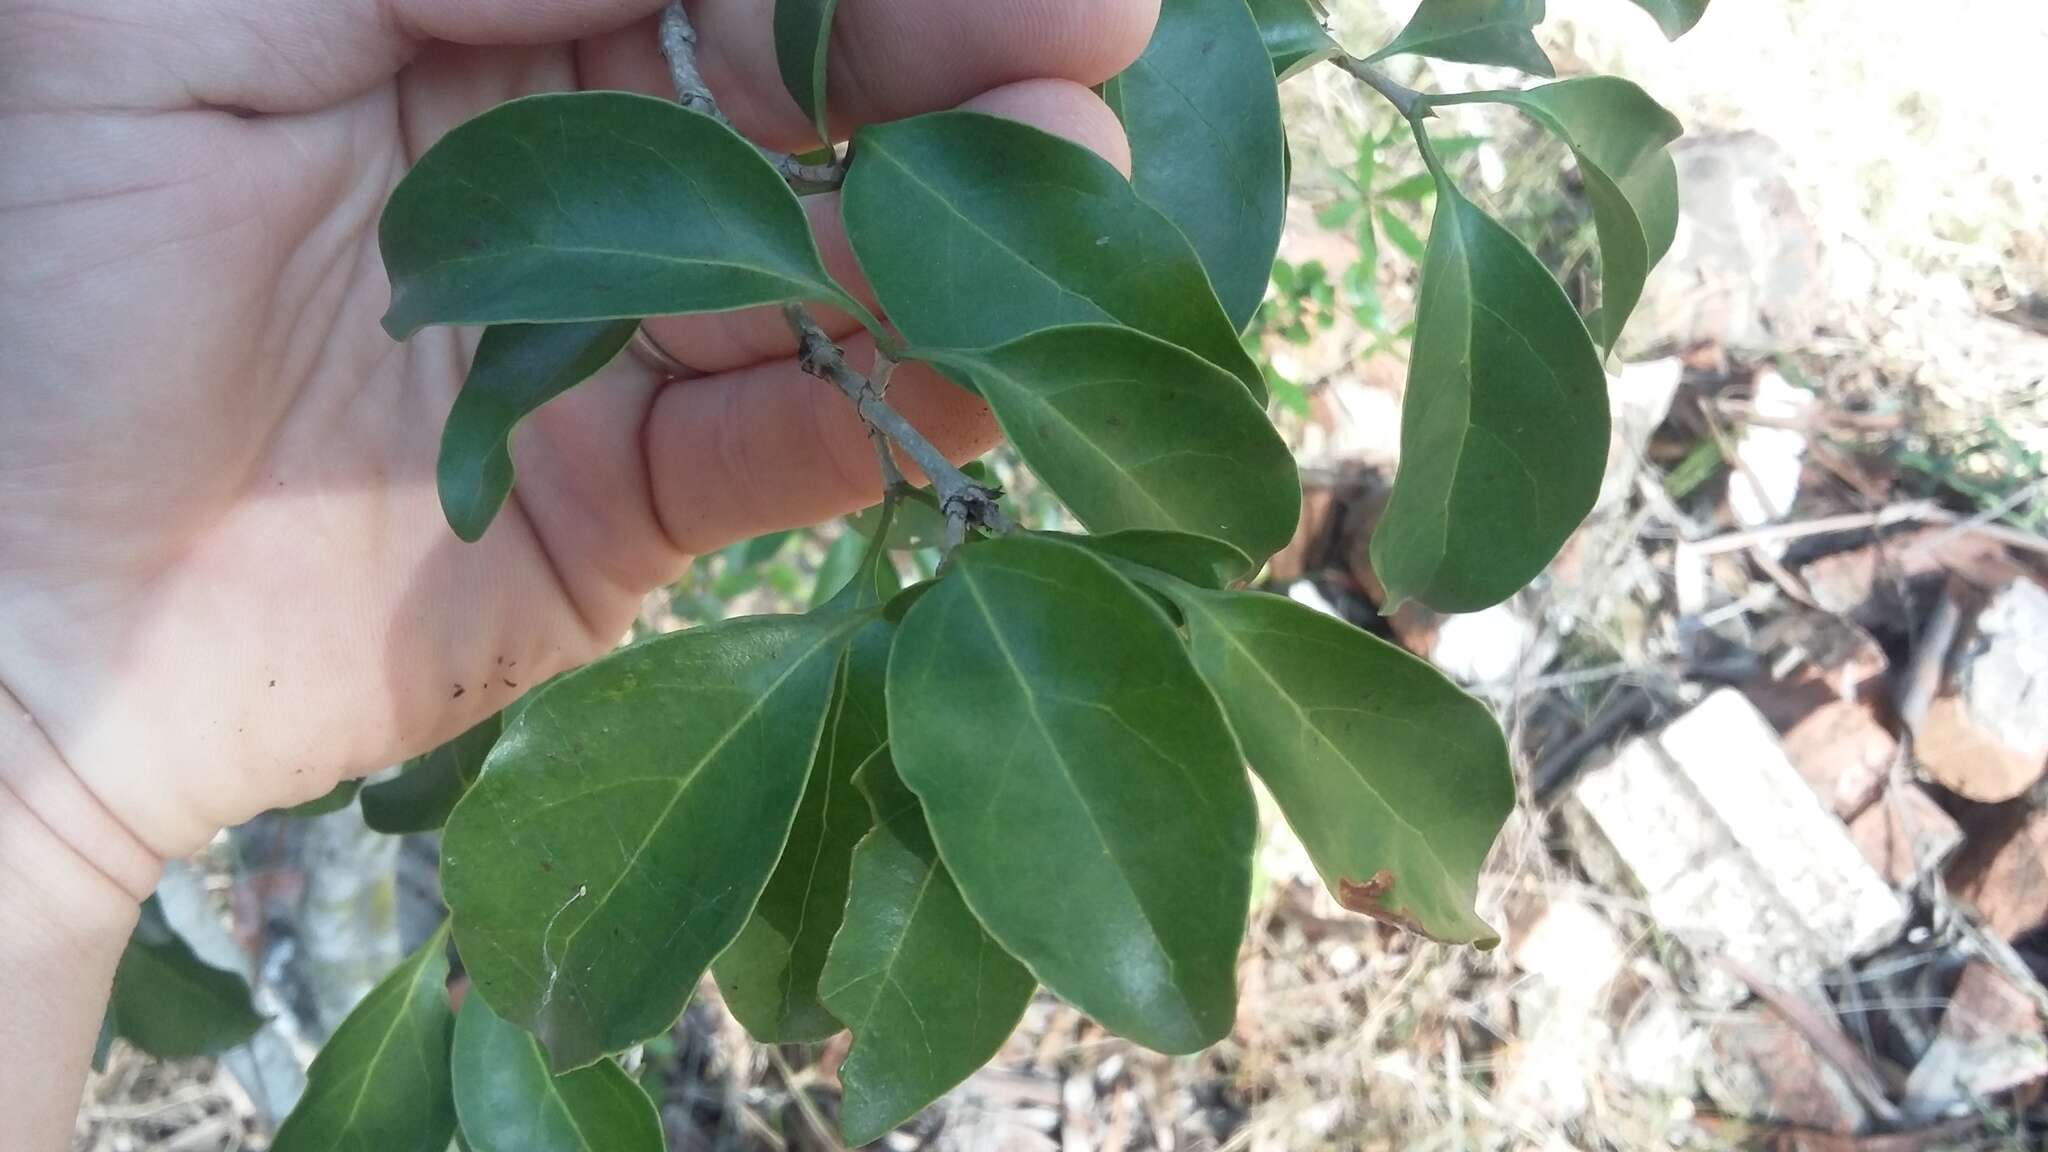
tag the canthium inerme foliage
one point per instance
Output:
(904, 811)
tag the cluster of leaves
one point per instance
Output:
(902, 812)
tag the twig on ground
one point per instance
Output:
(1916, 512)
(679, 46)
(1823, 1037)
(1989, 518)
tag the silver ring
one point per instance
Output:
(647, 351)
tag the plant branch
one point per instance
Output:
(1412, 105)
(679, 46)
(965, 502)
(894, 485)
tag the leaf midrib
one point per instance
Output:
(683, 786)
(968, 581)
(1044, 403)
(876, 150)
(398, 1018)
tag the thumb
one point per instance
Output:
(270, 56)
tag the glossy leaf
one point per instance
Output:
(1294, 34)
(628, 820)
(1207, 145)
(517, 368)
(1132, 432)
(975, 230)
(509, 1101)
(1199, 560)
(1090, 804)
(929, 995)
(1675, 17)
(1395, 781)
(1653, 188)
(1475, 32)
(770, 974)
(1618, 135)
(803, 40)
(170, 1003)
(382, 1080)
(584, 206)
(426, 790)
(1504, 429)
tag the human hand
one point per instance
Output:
(225, 581)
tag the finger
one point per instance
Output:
(767, 448)
(262, 55)
(888, 58)
(725, 341)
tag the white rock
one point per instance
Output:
(1733, 852)
(2003, 673)
(1638, 398)
(1488, 647)
(1762, 490)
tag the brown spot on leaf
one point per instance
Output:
(459, 690)
(1370, 899)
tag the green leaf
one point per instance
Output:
(509, 1101)
(1200, 560)
(1675, 17)
(1090, 802)
(803, 39)
(975, 230)
(1420, 186)
(628, 820)
(1207, 146)
(1653, 189)
(835, 571)
(1294, 34)
(1395, 781)
(583, 206)
(1618, 135)
(517, 368)
(1400, 234)
(929, 995)
(1132, 432)
(425, 791)
(857, 572)
(1504, 432)
(341, 797)
(1475, 32)
(382, 1080)
(770, 974)
(170, 1003)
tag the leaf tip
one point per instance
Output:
(1371, 897)
(1374, 897)
(396, 323)
(469, 519)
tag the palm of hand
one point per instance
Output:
(225, 582)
